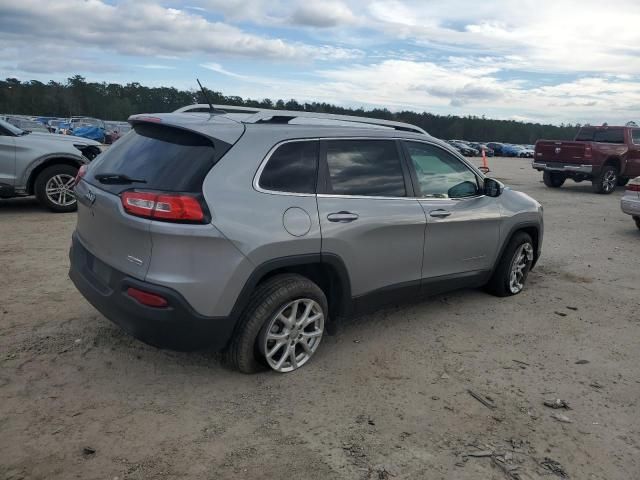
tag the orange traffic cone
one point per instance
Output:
(484, 168)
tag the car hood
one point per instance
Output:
(53, 137)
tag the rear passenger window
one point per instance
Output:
(292, 168)
(635, 137)
(365, 167)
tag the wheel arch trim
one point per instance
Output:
(262, 271)
(518, 227)
(33, 170)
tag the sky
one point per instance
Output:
(549, 61)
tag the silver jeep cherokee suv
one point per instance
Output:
(253, 232)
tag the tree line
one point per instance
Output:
(112, 101)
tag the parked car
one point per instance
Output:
(480, 147)
(630, 202)
(115, 130)
(42, 164)
(606, 156)
(510, 150)
(526, 152)
(463, 148)
(88, 127)
(266, 231)
(496, 147)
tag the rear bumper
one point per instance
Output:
(176, 327)
(630, 205)
(562, 167)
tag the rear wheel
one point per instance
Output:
(281, 327)
(513, 268)
(606, 182)
(637, 220)
(553, 179)
(54, 188)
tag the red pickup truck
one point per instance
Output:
(607, 156)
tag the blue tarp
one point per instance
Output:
(93, 133)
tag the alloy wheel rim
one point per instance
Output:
(609, 181)
(521, 261)
(293, 335)
(59, 190)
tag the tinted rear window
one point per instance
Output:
(603, 135)
(365, 167)
(292, 168)
(166, 158)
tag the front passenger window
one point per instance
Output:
(440, 174)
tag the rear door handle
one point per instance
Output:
(342, 217)
(439, 213)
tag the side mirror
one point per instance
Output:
(492, 187)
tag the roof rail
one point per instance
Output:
(284, 116)
(204, 108)
(264, 115)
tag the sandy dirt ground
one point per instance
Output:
(386, 398)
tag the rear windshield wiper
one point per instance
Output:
(117, 179)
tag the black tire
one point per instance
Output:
(637, 220)
(499, 284)
(605, 183)
(60, 171)
(622, 181)
(553, 179)
(243, 352)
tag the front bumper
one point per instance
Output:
(562, 167)
(176, 327)
(630, 204)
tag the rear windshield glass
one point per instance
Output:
(602, 135)
(156, 157)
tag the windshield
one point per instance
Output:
(12, 129)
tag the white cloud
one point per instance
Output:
(329, 13)
(216, 67)
(145, 29)
(155, 66)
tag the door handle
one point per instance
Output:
(440, 213)
(342, 217)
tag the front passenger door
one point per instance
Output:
(463, 225)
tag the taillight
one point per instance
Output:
(634, 185)
(587, 151)
(163, 206)
(81, 173)
(148, 299)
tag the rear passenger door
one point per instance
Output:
(368, 216)
(463, 225)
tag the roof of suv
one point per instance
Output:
(282, 124)
(257, 115)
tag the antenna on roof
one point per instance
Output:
(206, 97)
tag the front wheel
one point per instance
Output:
(281, 327)
(637, 220)
(553, 179)
(54, 188)
(513, 268)
(606, 182)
